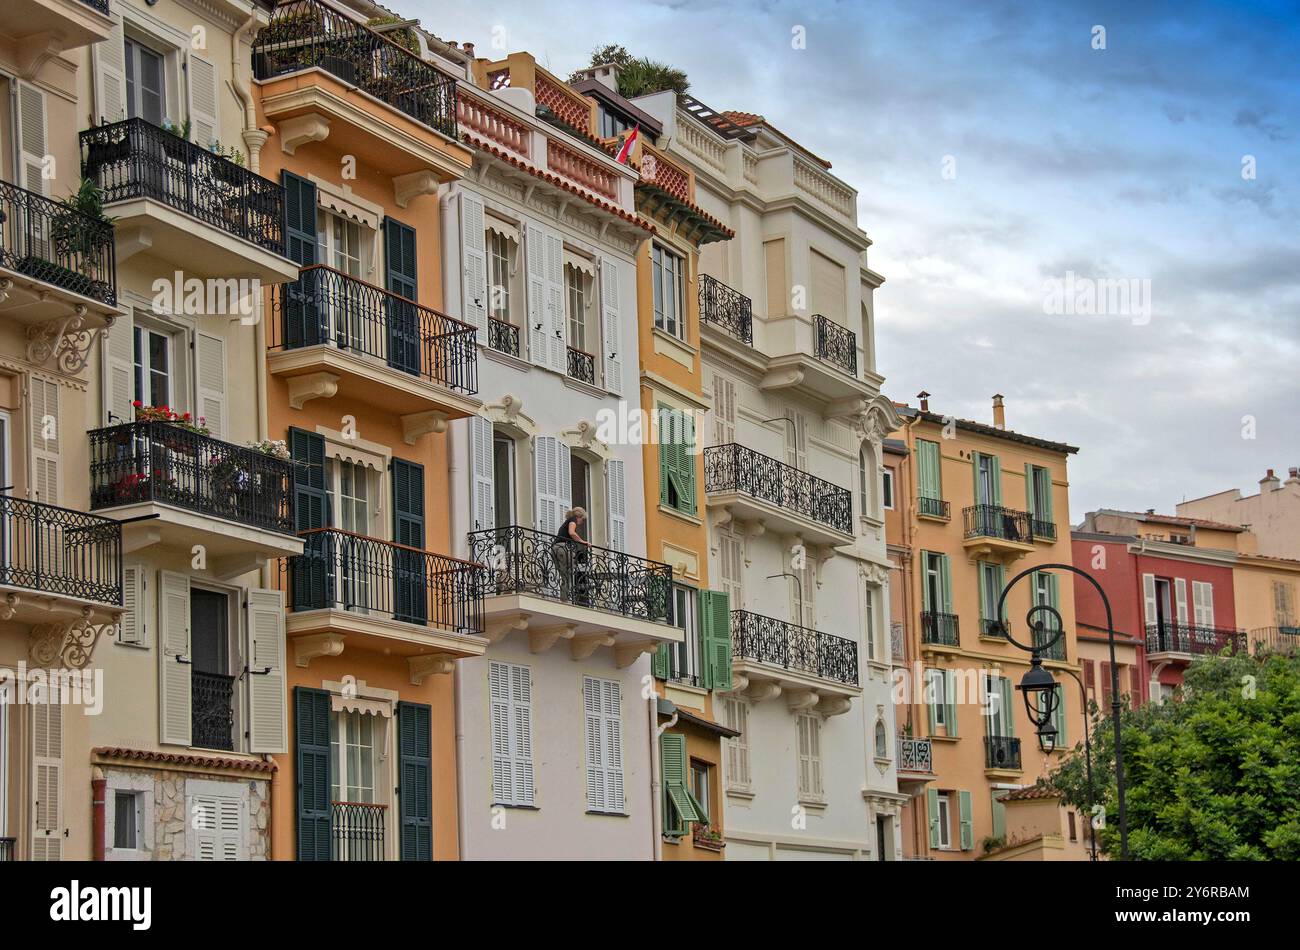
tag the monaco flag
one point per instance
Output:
(625, 153)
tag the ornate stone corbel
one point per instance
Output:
(761, 691)
(782, 378)
(497, 632)
(302, 129)
(9, 606)
(413, 185)
(306, 649)
(541, 640)
(834, 705)
(801, 700)
(312, 386)
(433, 664)
(69, 644)
(873, 573)
(583, 436)
(584, 646)
(625, 654)
(416, 424)
(850, 407)
(62, 341)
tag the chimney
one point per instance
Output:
(999, 413)
(925, 400)
(1295, 475)
(1269, 481)
(469, 48)
(606, 74)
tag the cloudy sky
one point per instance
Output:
(994, 150)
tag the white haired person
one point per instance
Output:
(565, 549)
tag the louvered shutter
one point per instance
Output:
(950, 701)
(539, 321)
(474, 272)
(672, 767)
(1008, 710)
(731, 556)
(1180, 599)
(265, 651)
(715, 637)
(503, 782)
(404, 336)
(132, 628)
(616, 503)
(415, 785)
(521, 733)
(210, 371)
(665, 440)
(611, 694)
(609, 311)
(204, 86)
(686, 457)
(1135, 687)
(410, 582)
(119, 370)
(304, 319)
(738, 748)
(46, 434)
(1030, 505)
(552, 480)
(312, 739)
(796, 440)
(945, 583)
(932, 809)
(724, 410)
(174, 692)
(309, 571)
(967, 823)
(32, 149)
(591, 707)
(481, 475)
(110, 74)
(558, 328)
(217, 824)
(1149, 598)
(47, 781)
(932, 680)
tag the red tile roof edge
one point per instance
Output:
(1031, 793)
(181, 758)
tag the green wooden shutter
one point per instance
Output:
(932, 808)
(997, 480)
(950, 700)
(1008, 710)
(999, 812)
(415, 783)
(932, 701)
(926, 606)
(665, 452)
(403, 316)
(967, 824)
(410, 583)
(679, 806)
(303, 320)
(312, 732)
(686, 462)
(659, 662)
(1046, 513)
(1029, 490)
(946, 578)
(715, 637)
(928, 483)
(1060, 720)
(309, 571)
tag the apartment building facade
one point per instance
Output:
(1272, 514)
(792, 490)
(60, 564)
(981, 506)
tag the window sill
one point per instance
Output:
(812, 804)
(944, 738)
(584, 387)
(743, 793)
(670, 510)
(516, 807)
(514, 362)
(674, 347)
(927, 517)
(609, 814)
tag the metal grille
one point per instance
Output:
(1173, 637)
(939, 628)
(915, 755)
(726, 308)
(167, 463)
(994, 521)
(582, 366)
(8, 846)
(735, 468)
(1001, 752)
(60, 551)
(212, 719)
(789, 646)
(933, 507)
(836, 345)
(49, 242)
(503, 337)
(357, 831)
(135, 159)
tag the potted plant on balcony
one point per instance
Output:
(704, 836)
(107, 147)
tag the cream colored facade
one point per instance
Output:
(1272, 514)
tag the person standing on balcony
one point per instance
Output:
(564, 549)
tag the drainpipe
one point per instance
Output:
(254, 138)
(462, 818)
(273, 802)
(656, 785)
(98, 794)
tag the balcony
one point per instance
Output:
(770, 657)
(212, 716)
(57, 563)
(336, 335)
(1056, 651)
(939, 628)
(504, 337)
(1001, 754)
(757, 487)
(588, 595)
(1042, 530)
(935, 508)
(185, 204)
(57, 267)
(53, 26)
(8, 847)
(177, 487)
(915, 762)
(582, 366)
(357, 831)
(1284, 639)
(991, 531)
(727, 309)
(347, 589)
(835, 344)
(1172, 640)
(816, 358)
(322, 74)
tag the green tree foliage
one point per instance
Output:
(1213, 775)
(638, 75)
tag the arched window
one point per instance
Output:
(882, 740)
(864, 481)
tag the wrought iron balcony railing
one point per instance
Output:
(726, 308)
(836, 345)
(915, 755)
(582, 366)
(523, 561)
(503, 337)
(735, 468)
(340, 570)
(939, 628)
(792, 647)
(212, 714)
(60, 551)
(1044, 530)
(1173, 637)
(135, 159)
(357, 830)
(47, 241)
(166, 463)
(994, 521)
(933, 507)
(1054, 652)
(304, 34)
(8, 847)
(993, 628)
(1001, 752)
(328, 307)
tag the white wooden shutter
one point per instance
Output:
(609, 312)
(796, 440)
(473, 243)
(264, 629)
(738, 748)
(45, 430)
(591, 708)
(730, 556)
(119, 370)
(521, 733)
(110, 74)
(174, 646)
(1180, 596)
(47, 781)
(724, 410)
(1203, 603)
(1149, 597)
(482, 492)
(503, 782)
(210, 371)
(539, 321)
(132, 628)
(216, 822)
(32, 144)
(203, 87)
(546, 482)
(616, 503)
(612, 720)
(558, 336)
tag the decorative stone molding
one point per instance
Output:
(873, 573)
(68, 644)
(583, 436)
(496, 632)
(850, 408)
(306, 649)
(509, 411)
(801, 700)
(413, 185)
(433, 664)
(302, 389)
(416, 424)
(834, 705)
(584, 646)
(782, 378)
(625, 654)
(542, 639)
(302, 129)
(763, 690)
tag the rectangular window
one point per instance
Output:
(991, 583)
(153, 368)
(603, 708)
(737, 717)
(668, 275)
(701, 782)
(510, 690)
(1203, 603)
(575, 291)
(684, 657)
(945, 820)
(1040, 493)
(987, 489)
(928, 484)
(870, 630)
(145, 96)
(126, 820)
(934, 592)
(353, 752)
(339, 243)
(997, 716)
(810, 756)
(499, 250)
(503, 479)
(887, 489)
(938, 696)
(1284, 613)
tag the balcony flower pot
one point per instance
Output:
(702, 836)
(99, 154)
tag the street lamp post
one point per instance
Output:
(1038, 682)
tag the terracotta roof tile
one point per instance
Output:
(182, 758)
(1031, 793)
(742, 119)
